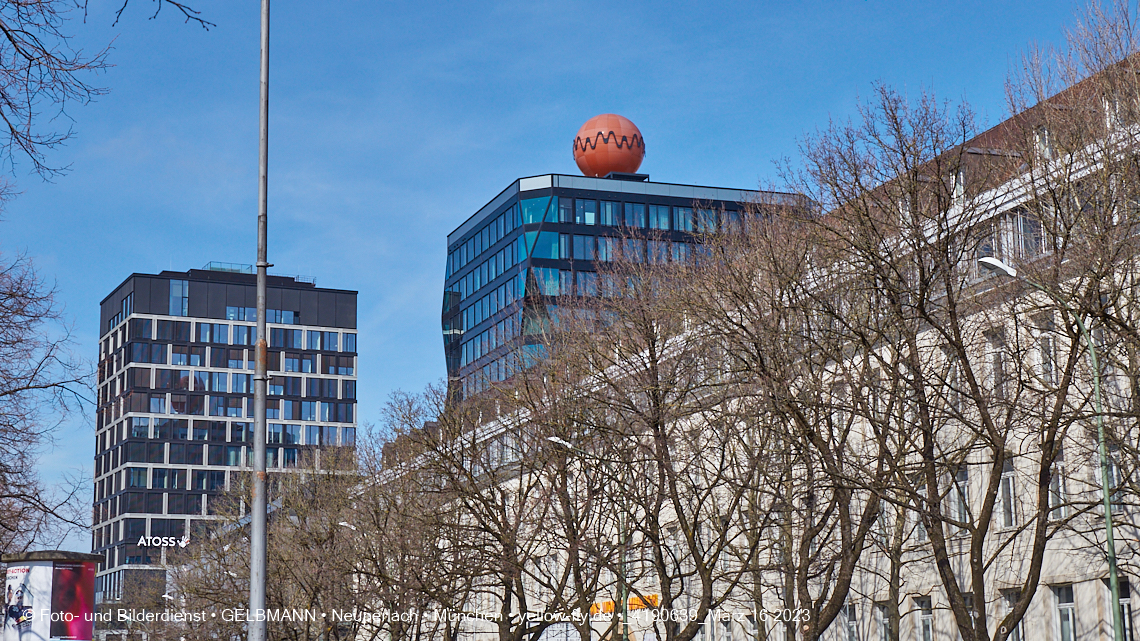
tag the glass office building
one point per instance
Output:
(175, 402)
(542, 237)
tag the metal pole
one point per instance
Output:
(1105, 484)
(1105, 481)
(624, 584)
(257, 542)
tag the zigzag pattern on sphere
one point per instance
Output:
(592, 141)
(608, 143)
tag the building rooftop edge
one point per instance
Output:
(190, 275)
(50, 555)
(530, 183)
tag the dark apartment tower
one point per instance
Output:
(175, 403)
(543, 237)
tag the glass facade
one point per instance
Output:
(174, 421)
(529, 245)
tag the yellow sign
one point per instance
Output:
(635, 603)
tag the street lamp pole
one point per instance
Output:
(257, 538)
(1105, 480)
(623, 589)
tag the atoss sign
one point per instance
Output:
(49, 595)
(163, 541)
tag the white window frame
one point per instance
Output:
(1126, 609)
(1058, 494)
(1116, 494)
(925, 618)
(1066, 613)
(1047, 352)
(1007, 489)
(850, 622)
(958, 496)
(920, 532)
(995, 359)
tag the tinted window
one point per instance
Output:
(583, 248)
(139, 328)
(542, 244)
(634, 215)
(586, 212)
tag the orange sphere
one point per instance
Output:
(606, 143)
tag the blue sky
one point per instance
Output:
(391, 123)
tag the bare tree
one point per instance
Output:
(581, 570)
(832, 397)
(497, 497)
(406, 561)
(41, 380)
(188, 13)
(311, 565)
(657, 416)
(42, 74)
(1079, 137)
(796, 338)
(989, 374)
